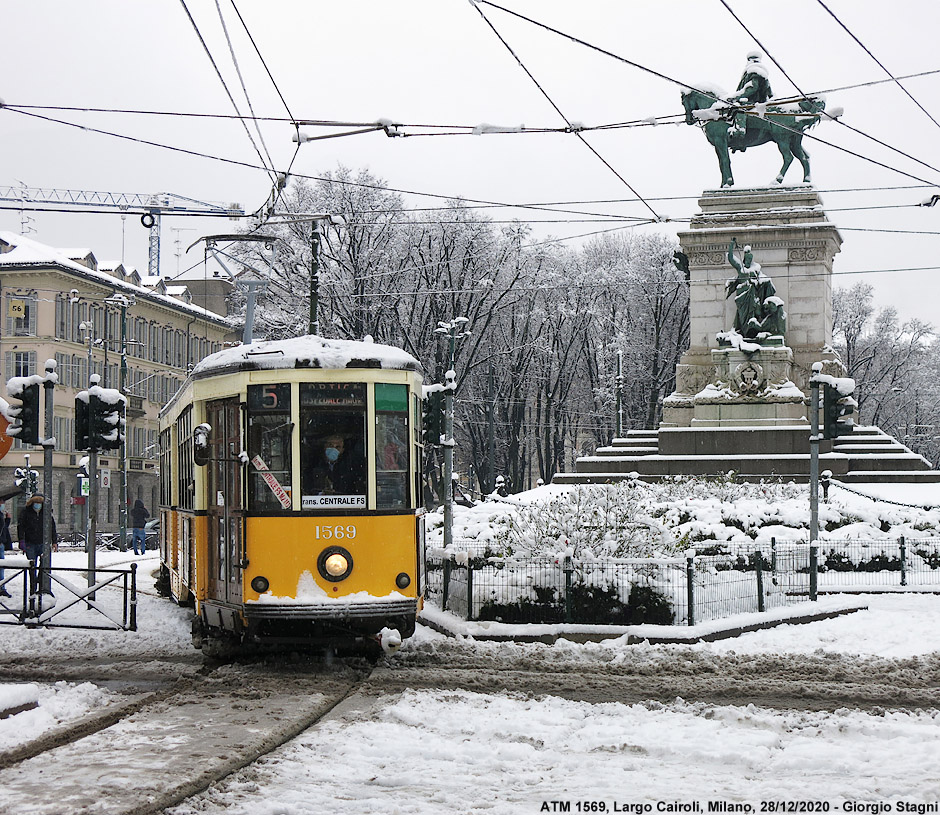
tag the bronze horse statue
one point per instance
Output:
(782, 125)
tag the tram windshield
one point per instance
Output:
(332, 445)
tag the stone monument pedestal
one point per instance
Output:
(795, 243)
(741, 405)
(750, 389)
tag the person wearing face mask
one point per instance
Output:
(29, 532)
(330, 475)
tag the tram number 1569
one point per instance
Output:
(334, 532)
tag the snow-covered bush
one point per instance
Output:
(590, 521)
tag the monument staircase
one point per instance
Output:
(867, 455)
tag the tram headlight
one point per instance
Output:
(260, 584)
(335, 563)
(403, 581)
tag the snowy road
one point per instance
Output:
(174, 745)
(826, 714)
(844, 710)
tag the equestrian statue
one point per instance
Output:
(750, 117)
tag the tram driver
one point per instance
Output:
(335, 467)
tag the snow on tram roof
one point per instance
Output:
(306, 352)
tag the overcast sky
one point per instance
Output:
(439, 62)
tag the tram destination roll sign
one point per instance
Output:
(332, 394)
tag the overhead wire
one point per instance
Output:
(764, 48)
(398, 190)
(675, 81)
(278, 189)
(576, 131)
(270, 170)
(263, 61)
(878, 62)
(241, 80)
(309, 122)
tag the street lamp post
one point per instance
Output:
(619, 431)
(314, 326)
(450, 385)
(91, 519)
(123, 302)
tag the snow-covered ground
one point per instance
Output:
(426, 750)
(430, 751)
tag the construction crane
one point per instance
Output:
(149, 207)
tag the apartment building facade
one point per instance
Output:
(62, 305)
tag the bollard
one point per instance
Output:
(469, 588)
(445, 588)
(813, 572)
(903, 547)
(133, 625)
(759, 566)
(568, 571)
(690, 587)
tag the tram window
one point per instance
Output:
(332, 445)
(269, 447)
(391, 446)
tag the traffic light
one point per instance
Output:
(838, 406)
(433, 418)
(106, 419)
(82, 422)
(27, 414)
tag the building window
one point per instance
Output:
(62, 308)
(20, 363)
(21, 315)
(76, 317)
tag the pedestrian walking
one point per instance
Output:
(139, 517)
(6, 542)
(29, 534)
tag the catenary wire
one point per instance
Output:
(263, 61)
(579, 135)
(248, 165)
(241, 81)
(675, 81)
(804, 95)
(310, 122)
(878, 62)
(205, 47)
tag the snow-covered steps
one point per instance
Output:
(752, 453)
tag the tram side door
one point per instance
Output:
(224, 510)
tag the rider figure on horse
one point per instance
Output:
(754, 88)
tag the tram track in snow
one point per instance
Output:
(150, 750)
(184, 723)
(820, 681)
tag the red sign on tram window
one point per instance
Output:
(6, 442)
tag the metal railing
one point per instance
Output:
(710, 582)
(105, 540)
(615, 591)
(72, 604)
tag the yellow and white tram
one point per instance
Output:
(290, 493)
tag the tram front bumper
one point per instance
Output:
(333, 610)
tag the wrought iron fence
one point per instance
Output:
(60, 597)
(885, 565)
(616, 591)
(710, 582)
